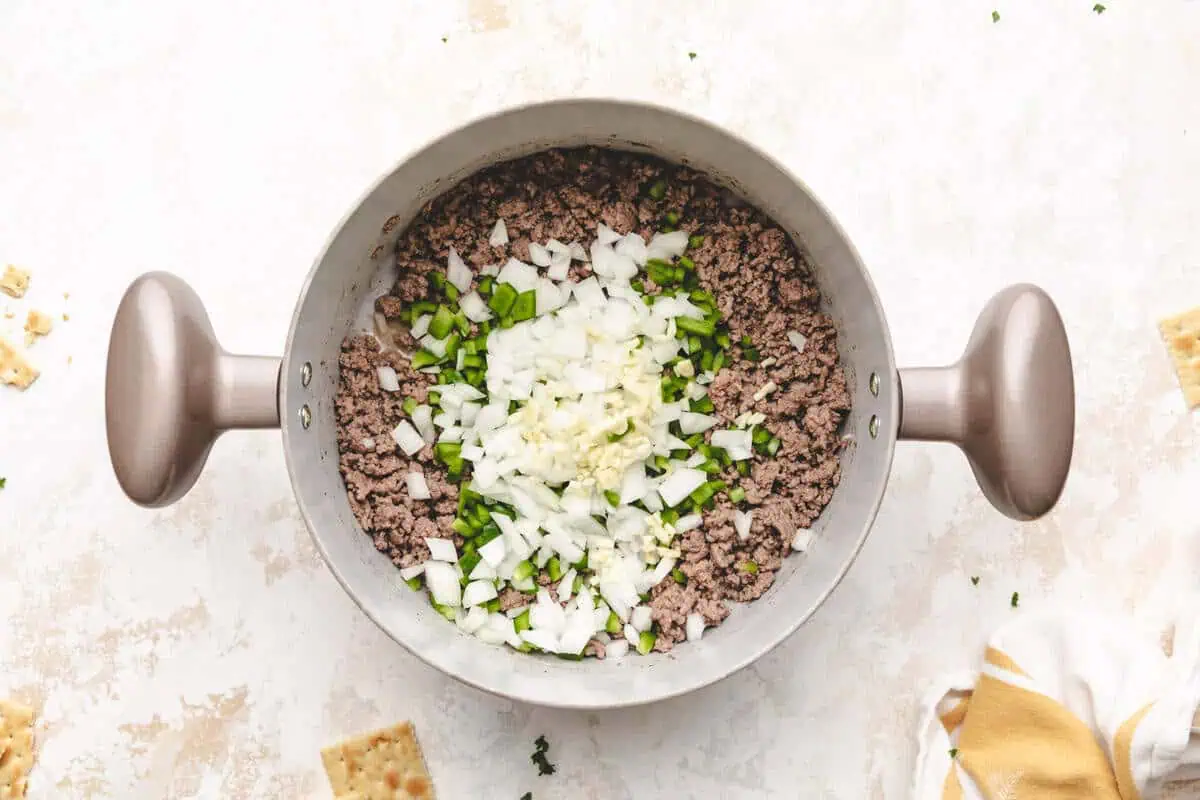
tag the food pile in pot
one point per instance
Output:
(601, 403)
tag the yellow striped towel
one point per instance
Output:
(1066, 706)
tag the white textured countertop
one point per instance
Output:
(205, 651)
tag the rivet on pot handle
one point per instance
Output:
(1009, 403)
(171, 390)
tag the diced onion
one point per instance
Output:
(541, 638)
(469, 413)
(474, 307)
(797, 339)
(694, 627)
(548, 297)
(483, 572)
(667, 245)
(457, 272)
(442, 580)
(421, 326)
(802, 540)
(408, 573)
(738, 444)
(434, 345)
(668, 412)
(478, 592)
(616, 650)
(463, 391)
(675, 443)
(691, 422)
(499, 236)
(519, 275)
(640, 619)
(671, 307)
(588, 293)
(498, 629)
(661, 570)
(560, 261)
(566, 585)
(407, 437)
(539, 255)
(741, 523)
(633, 246)
(685, 524)
(418, 489)
(679, 484)
(387, 379)
(606, 235)
(475, 618)
(579, 630)
(441, 550)
(633, 484)
(494, 551)
(749, 418)
(765, 390)
(422, 418)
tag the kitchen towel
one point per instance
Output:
(1074, 705)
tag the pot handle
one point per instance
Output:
(1009, 402)
(171, 390)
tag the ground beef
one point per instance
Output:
(764, 289)
(510, 598)
(374, 467)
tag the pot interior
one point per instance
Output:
(357, 266)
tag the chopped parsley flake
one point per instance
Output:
(527, 796)
(1016, 599)
(444, 39)
(995, 16)
(974, 580)
(692, 56)
(1099, 8)
(2, 482)
(954, 752)
(541, 747)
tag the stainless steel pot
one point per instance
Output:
(171, 390)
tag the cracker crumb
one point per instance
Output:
(1182, 337)
(36, 324)
(16, 748)
(14, 282)
(14, 369)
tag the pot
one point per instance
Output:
(171, 390)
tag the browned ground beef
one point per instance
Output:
(763, 287)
